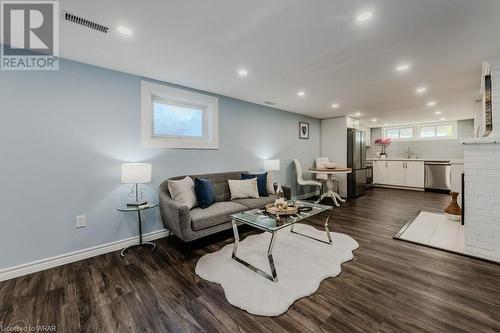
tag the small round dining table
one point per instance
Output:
(329, 183)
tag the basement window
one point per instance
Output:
(432, 131)
(396, 133)
(178, 118)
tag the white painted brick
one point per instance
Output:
(487, 253)
(485, 212)
(470, 236)
(489, 239)
(488, 199)
(470, 249)
(482, 245)
(482, 205)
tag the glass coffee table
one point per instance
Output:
(260, 219)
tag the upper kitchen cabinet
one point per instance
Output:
(368, 135)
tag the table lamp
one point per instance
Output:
(273, 165)
(136, 173)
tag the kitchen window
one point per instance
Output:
(178, 118)
(432, 131)
(396, 133)
(438, 131)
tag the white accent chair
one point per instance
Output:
(301, 181)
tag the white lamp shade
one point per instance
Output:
(136, 173)
(271, 165)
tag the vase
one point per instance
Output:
(453, 211)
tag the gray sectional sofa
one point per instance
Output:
(196, 223)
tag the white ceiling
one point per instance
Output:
(291, 45)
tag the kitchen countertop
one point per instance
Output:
(452, 160)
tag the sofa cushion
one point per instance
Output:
(261, 182)
(243, 188)
(205, 194)
(182, 191)
(217, 213)
(218, 180)
(255, 203)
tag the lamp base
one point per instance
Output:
(136, 203)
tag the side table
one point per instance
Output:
(138, 210)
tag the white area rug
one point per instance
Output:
(433, 229)
(301, 264)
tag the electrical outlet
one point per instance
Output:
(81, 221)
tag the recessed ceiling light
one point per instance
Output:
(438, 112)
(374, 119)
(364, 16)
(301, 93)
(242, 72)
(421, 90)
(335, 106)
(357, 114)
(442, 119)
(431, 103)
(403, 67)
(125, 31)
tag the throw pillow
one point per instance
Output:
(270, 184)
(183, 191)
(261, 182)
(241, 189)
(205, 193)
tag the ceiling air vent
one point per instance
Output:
(84, 22)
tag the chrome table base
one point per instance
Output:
(274, 275)
(124, 251)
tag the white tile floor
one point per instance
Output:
(437, 231)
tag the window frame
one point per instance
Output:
(152, 92)
(417, 134)
(399, 128)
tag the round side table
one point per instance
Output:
(138, 210)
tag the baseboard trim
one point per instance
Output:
(305, 195)
(63, 259)
(400, 187)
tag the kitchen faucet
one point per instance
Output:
(409, 153)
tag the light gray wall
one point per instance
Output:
(64, 134)
(426, 148)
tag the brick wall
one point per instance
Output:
(482, 187)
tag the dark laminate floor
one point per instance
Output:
(390, 286)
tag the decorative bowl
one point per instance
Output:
(274, 210)
(330, 165)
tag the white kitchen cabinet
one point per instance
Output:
(396, 173)
(399, 173)
(380, 172)
(414, 174)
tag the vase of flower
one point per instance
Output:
(383, 142)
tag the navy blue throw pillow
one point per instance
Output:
(261, 182)
(205, 193)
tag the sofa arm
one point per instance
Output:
(175, 217)
(287, 191)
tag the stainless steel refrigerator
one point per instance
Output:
(356, 160)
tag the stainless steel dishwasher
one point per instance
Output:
(438, 175)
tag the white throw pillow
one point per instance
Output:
(241, 189)
(270, 184)
(183, 192)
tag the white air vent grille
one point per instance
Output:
(84, 22)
